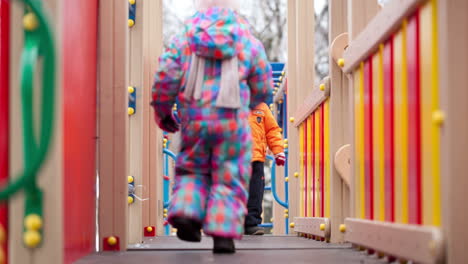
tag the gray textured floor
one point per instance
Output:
(258, 249)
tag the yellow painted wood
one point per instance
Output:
(317, 162)
(309, 166)
(401, 127)
(327, 158)
(378, 135)
(359, 140)
(301, 172)
(429, 103)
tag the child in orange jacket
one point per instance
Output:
(265, 132)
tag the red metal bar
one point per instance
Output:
(322, 161)
(389, 136)
(368, 142)
(4, 110)
(313, 163)
(305, 168)
(414, 122)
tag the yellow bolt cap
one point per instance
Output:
(131, 111)
(112, 241)
(286, 211)
(130, 199)
(296, 174)
(438, 117)
(131, 23)
(164, 215)
(286, 215)
(291, 225)
(322, 87)
(32, 238)
(271, 219)
(149, 229)
(131, 89)
(285, 140)
(30, 22)
(341, 62)
(132, 2)
(291, 119)
(33, 222)
(165, 210)
(130, 179)
(165, 140)
(342, 228)
(283, 72)
(281, 78)
(322, 227)
(286, 179)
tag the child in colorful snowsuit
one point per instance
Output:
(218, 71)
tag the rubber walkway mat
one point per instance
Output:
(248, 242)
(257, 250)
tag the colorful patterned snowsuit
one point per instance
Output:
(213, 166)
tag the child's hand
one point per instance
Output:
(280, 159)
(168, 123)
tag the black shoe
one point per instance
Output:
(254, 231)
(223, 245)
(187, 229)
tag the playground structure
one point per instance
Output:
(376, 151)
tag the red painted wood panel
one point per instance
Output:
(322, 160)
(368, 148)
(306, 190)
(389, 137)
(4, 107)
(312, 151)
(414, 122)
(79, 40)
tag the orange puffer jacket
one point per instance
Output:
(265, 131)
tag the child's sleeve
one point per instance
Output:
(260, 79)
(272, 132)
(167, 80)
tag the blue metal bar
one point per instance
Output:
(167, 153)
(267, 225)
(273, 183)
(267, 188)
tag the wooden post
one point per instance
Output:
(339, 121)
(50, 176)
(152, 46)
(453, 66)
(113, 121)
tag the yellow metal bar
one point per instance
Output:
(317, 162)
(359, 140)
(309, 165)
(327, 157)
(301, 173)
(429, 104)
(401, 126)
(378, 135)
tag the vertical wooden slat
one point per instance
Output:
(313, 164)
(378, 130)
(326, 157)
(389, 144)
(4, 113)
(302, 172)
(310, 166)
(430, 132)
(113, 119)
(322, 161)
(401, 127)
(306, 165)
(359, 141)
(368, 144)
(414, 122)
(317, 190)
